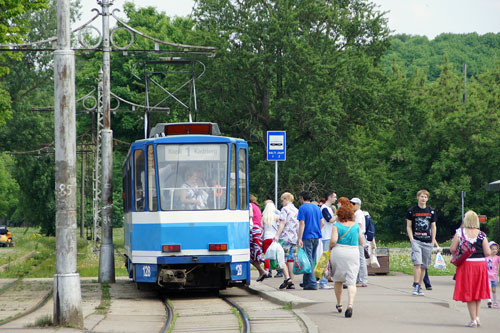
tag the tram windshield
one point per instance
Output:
(192, 176)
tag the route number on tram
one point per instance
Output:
(239, 269)
(146, 269)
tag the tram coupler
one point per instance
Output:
(172, 276)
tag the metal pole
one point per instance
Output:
(67, 292)
(463, 196)
(147, 107)
(194, 93)
(82, 193)
(106, 258)
(276, 183)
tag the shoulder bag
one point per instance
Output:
(465, 249)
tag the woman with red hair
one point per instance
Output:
(344, 258)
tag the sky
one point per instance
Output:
(415, 17)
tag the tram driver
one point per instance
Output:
(192, 196)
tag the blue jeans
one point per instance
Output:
(326, 245)
(310, 246)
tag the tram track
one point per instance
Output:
(29, 296)
(33, 297)
(202, 313)
(245, 322)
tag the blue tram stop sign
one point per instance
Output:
(276, 145)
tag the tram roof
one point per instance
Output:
(191, 138)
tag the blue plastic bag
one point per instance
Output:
(301, 264)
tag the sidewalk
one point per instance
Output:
(386, 305)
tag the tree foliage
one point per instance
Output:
(367, 115)
(478, 52)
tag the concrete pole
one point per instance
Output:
(106, 259)
(67, 293)
(82, 191)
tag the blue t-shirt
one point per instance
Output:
(311, 215)
(351, 238)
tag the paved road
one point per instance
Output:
(386, 305)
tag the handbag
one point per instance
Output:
(465, 250)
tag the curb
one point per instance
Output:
(279, 297)
(285, 299)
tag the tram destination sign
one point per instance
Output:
(192, 152)
(276, 145)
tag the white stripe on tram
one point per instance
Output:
(190, 217)
(150, 257)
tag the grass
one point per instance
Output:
(401, 262)
(43, 262)
(43, 321)
(103, 307)
(172, 324)
(238, 316)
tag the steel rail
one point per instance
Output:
(170, 315)
(245, 327)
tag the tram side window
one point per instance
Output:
(232, 193)
(152, 196)
(242, 177)
(139, 180)
(192, 176)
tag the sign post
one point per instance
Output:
(276, 151)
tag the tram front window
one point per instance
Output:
(192, 176)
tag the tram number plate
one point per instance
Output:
(146, 270)
(239, 269)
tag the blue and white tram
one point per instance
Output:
(186, 208)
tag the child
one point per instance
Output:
(492, 263)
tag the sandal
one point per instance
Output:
(290, 285)
(348, 312)
(285, 284)
(262, 277)
(339, 308)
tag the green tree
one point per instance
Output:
(14, 27)
(288, 65)
(30, 84)
(9, 189)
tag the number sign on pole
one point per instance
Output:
(276, 151)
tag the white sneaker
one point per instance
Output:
(326, 286)
(420, 292)
(415, 290)
(472, 323)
